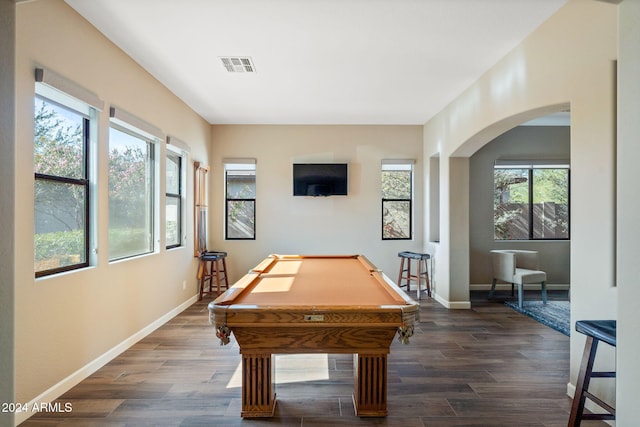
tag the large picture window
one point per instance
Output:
(131, 193)
(397, 199)
(240, 190)
(531, 202)
(61, 199)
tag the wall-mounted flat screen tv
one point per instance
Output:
(320, 179)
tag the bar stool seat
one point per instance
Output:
(421, 273)
(213, 267)
(596, 331)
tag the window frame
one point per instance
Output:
(239, 165)
(89, 118)
(125, 122)
(176, 196)
(397, 166)
(531, 167)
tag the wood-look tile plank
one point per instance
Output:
(87, 408)
(521, 390)
(485, 366)
(116, 391)
(525, 408)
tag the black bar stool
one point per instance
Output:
(422, 272)
(212, 267)
(596, 331)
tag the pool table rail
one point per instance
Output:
(238, 315)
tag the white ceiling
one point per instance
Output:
(317, 61)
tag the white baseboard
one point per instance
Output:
(75, 378)
(507, 287)
(455, 305)
(500, 286)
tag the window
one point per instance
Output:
(173, 200)
(65, 128)
(132, 178)
(531, 202)
(61, 145)
(397, 194)
(240, 190)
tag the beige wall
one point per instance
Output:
(7, 215)
(567, 61)
(308, 225)
(66, 323)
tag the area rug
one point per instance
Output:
(554, 314)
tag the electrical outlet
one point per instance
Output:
(184, 285)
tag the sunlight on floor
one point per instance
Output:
(292, 368)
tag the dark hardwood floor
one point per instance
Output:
(488, 366)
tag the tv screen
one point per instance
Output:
(319, 179)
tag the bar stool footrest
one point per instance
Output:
(603, 405)
(596, 331)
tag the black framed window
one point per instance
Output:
(61, 191)
(173, 200)
(531, 202)
(240, 204)
(397, 200)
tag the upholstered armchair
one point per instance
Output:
(517, 267)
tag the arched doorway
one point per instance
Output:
(535, 214)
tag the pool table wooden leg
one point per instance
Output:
(370, 385)
(258, 385)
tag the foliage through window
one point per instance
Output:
(131, 194)
(173, 200)
(240, 184)
(531, 202)
(61, 199)
(397, 192)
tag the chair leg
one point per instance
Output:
(493, 288)
(520, 291)
(420, 276)
(401, 271)
(544, 292)
(582, 384)
(512, 289)
(217, 262)
(200, 278)
(203, 274)
(224, 274)
(426, 277)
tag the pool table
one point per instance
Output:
(314, 304)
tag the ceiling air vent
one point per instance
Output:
(238, 64)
